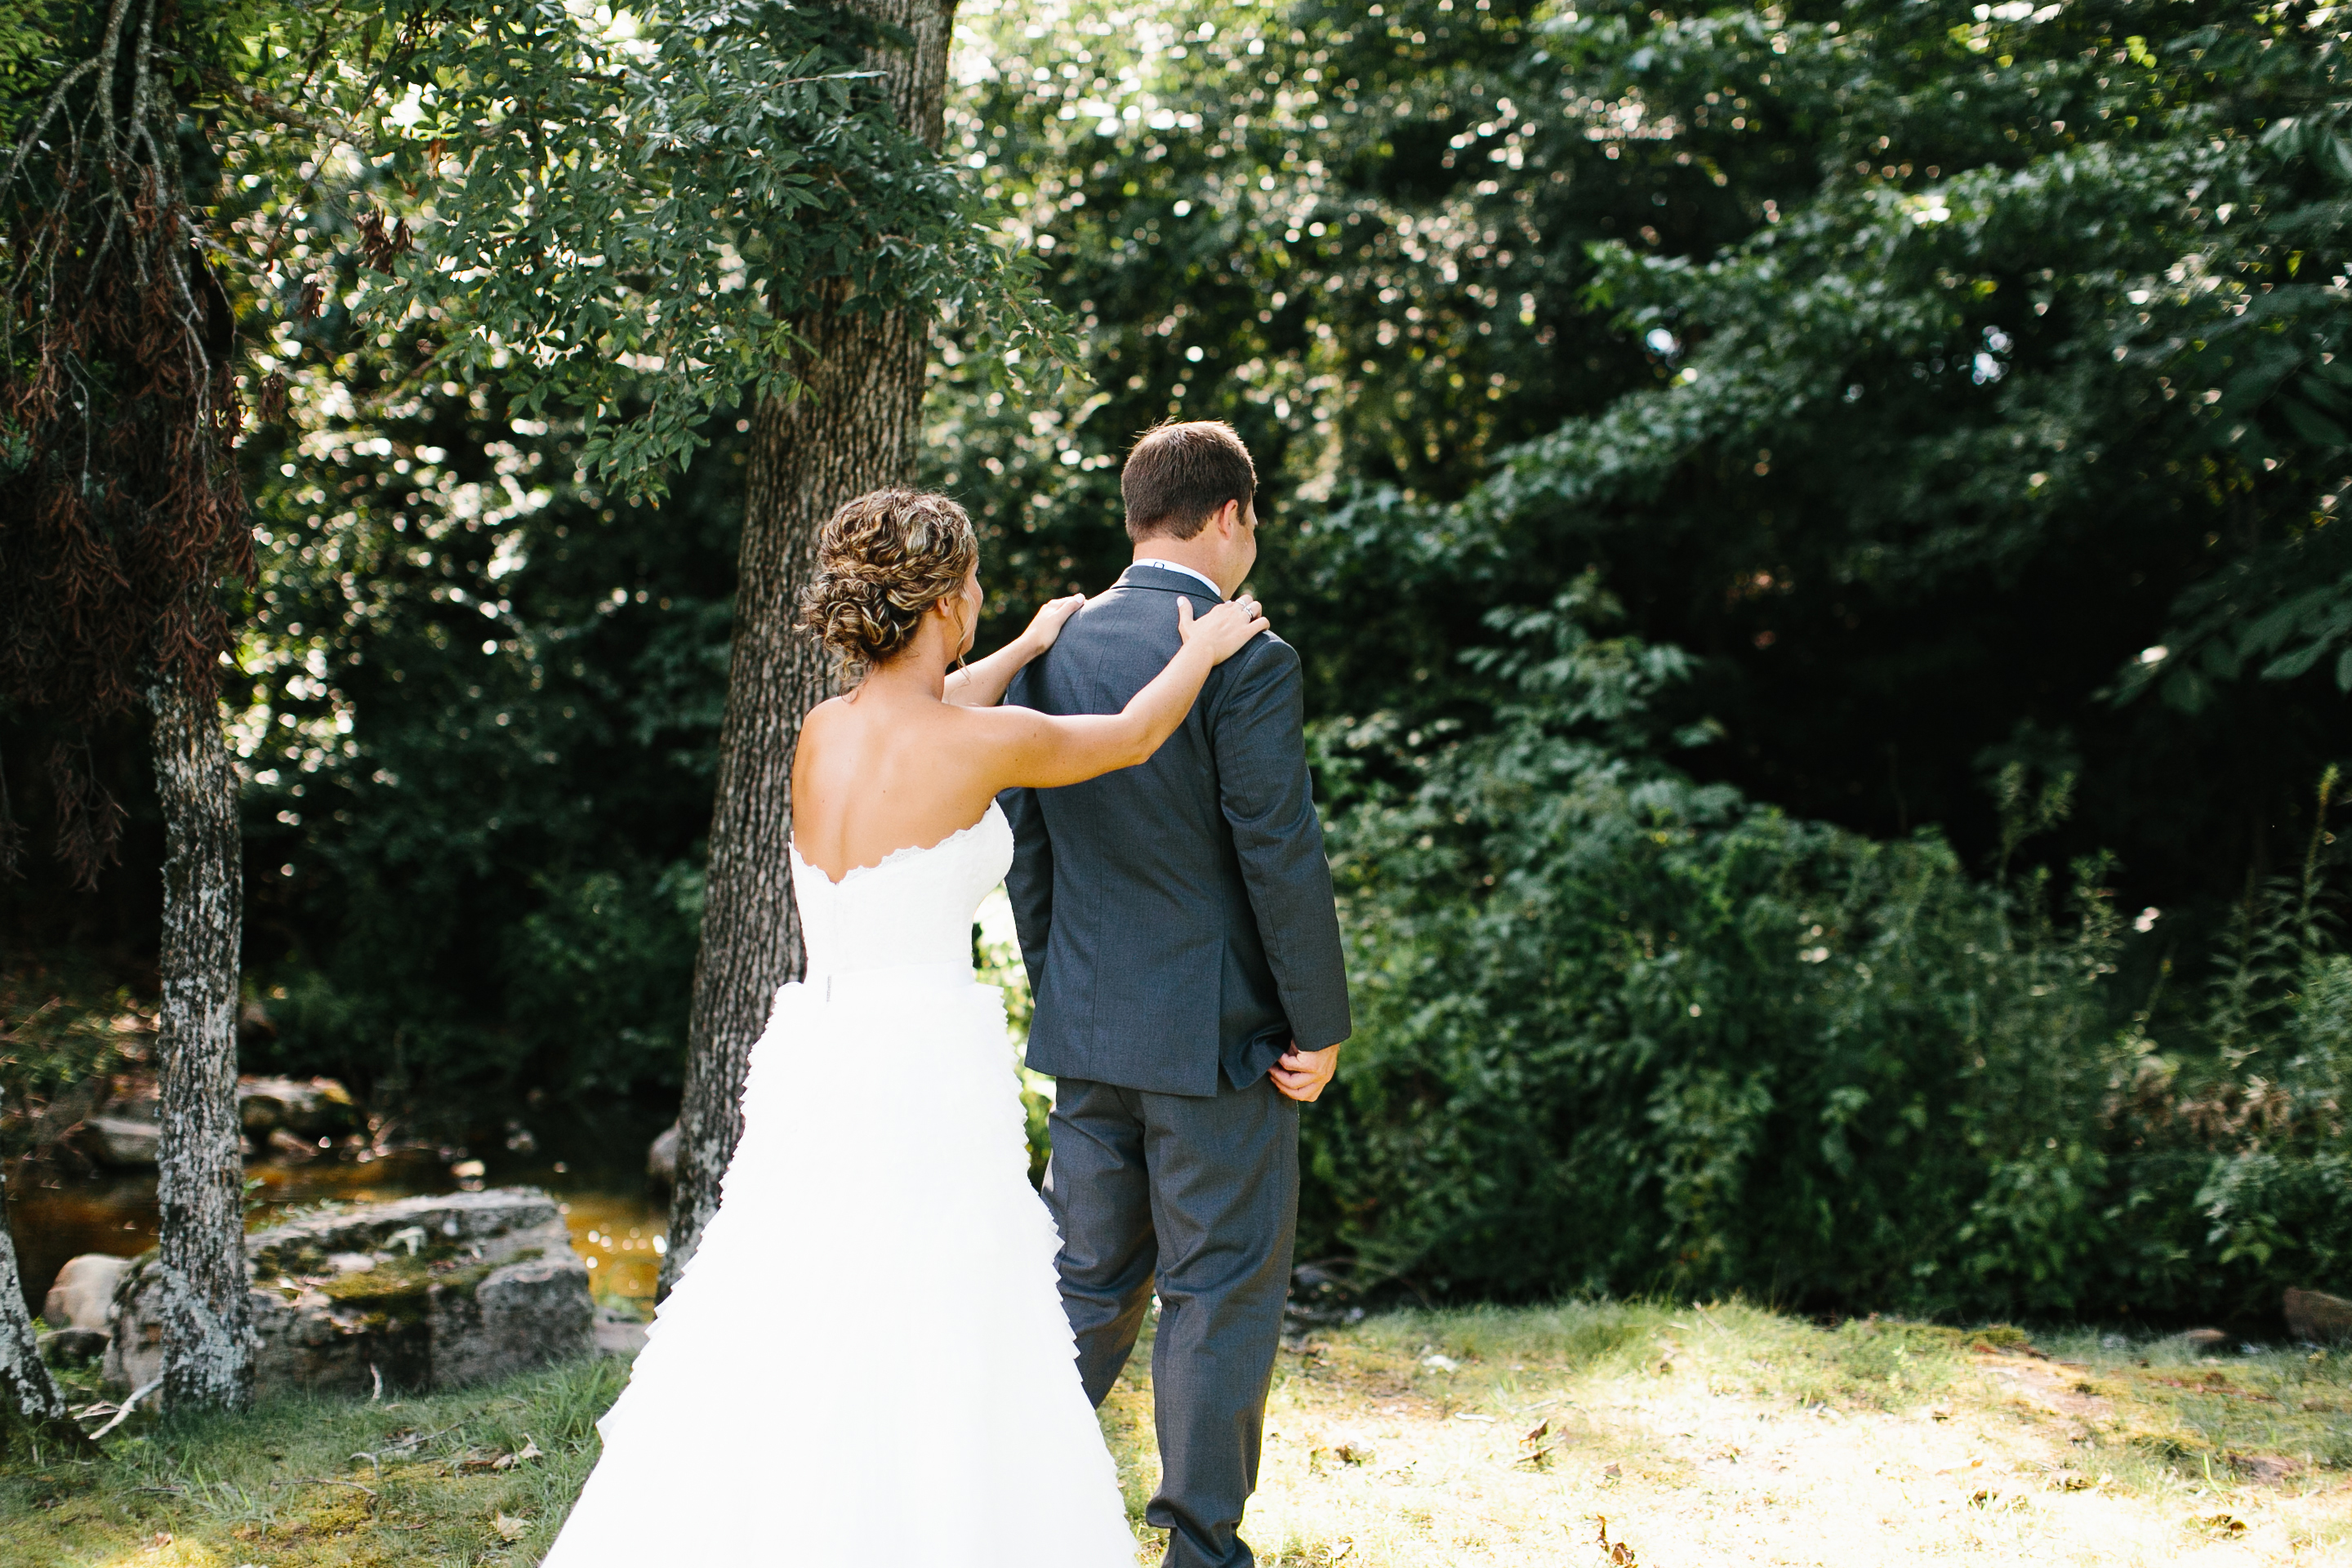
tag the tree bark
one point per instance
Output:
(200, 1179)
(852, 429)
(29, 1395)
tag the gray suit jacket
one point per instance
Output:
(1176, 917)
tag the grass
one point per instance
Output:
(321, 1482)
(1713, 1434)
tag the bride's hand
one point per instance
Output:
(1224, 629)
(1045, 626)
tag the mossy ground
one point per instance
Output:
(1719, 1434)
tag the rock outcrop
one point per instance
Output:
(292, 1117)
(123, 1142)
(2317, 1318)
(427, 1292)
(79, 1308)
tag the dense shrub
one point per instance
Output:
(1618, 1031)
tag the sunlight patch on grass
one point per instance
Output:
(1479, 1439)
(1724, 1434)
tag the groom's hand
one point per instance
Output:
(1302, 1075)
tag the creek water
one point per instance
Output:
(618, 1224)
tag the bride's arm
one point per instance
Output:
(1042, 751)
(982, 685)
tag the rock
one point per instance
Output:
(121, 1141)
(661, 1159)
(291, 1145)
(309, 1110)
(2315, 1317)
(618, 1334)
(72, 1347)
(82, 1295)
(431, 1291)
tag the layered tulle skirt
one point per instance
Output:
(866, 1363)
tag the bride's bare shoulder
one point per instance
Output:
(824, 714)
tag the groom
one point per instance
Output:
(1177, 922)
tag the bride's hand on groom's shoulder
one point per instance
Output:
(1047, 624)
(1224, 629)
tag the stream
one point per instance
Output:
(618, 1224)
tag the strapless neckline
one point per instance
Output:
(896, 857)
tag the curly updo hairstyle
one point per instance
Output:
(883, 560)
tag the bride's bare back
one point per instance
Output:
(915, 753)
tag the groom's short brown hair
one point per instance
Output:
(1180, 474)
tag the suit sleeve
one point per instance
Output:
(1258, 731)
(1029, 881)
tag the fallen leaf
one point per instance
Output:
(1940, 1412)
(1342, 1549)
(2228, 1524)
(529, 1450)
(1537, 1435)
(1614, 1472)
(1441, 1363)
(161, 1538)
(509, 1527)
(1616, 1552)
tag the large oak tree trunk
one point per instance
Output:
(852, 429)
(207, 1324)
(28, 1395)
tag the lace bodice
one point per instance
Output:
(913, 907)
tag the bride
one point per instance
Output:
(867, 1361)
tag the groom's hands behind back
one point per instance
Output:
(1304, 1075)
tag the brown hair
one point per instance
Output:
(882, 559)
(1180, 474)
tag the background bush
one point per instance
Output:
(1618, 1031)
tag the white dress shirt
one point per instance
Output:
(1171, 566)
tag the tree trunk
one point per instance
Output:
(28, 1395)
(200, 1180)
(853, 429)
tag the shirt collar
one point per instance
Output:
(1170, 566)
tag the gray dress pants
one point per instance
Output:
(1200, 1193)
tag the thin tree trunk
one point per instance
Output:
(853, 429)
(29, 1395)
(200, 1179)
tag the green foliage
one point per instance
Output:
(62, 1034)
(483, 699)
(619, 216)
(1618, 1031)
(622, 215)
(1936, 381)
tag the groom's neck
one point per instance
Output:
(1201, 554)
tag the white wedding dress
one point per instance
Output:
(865, 1361)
